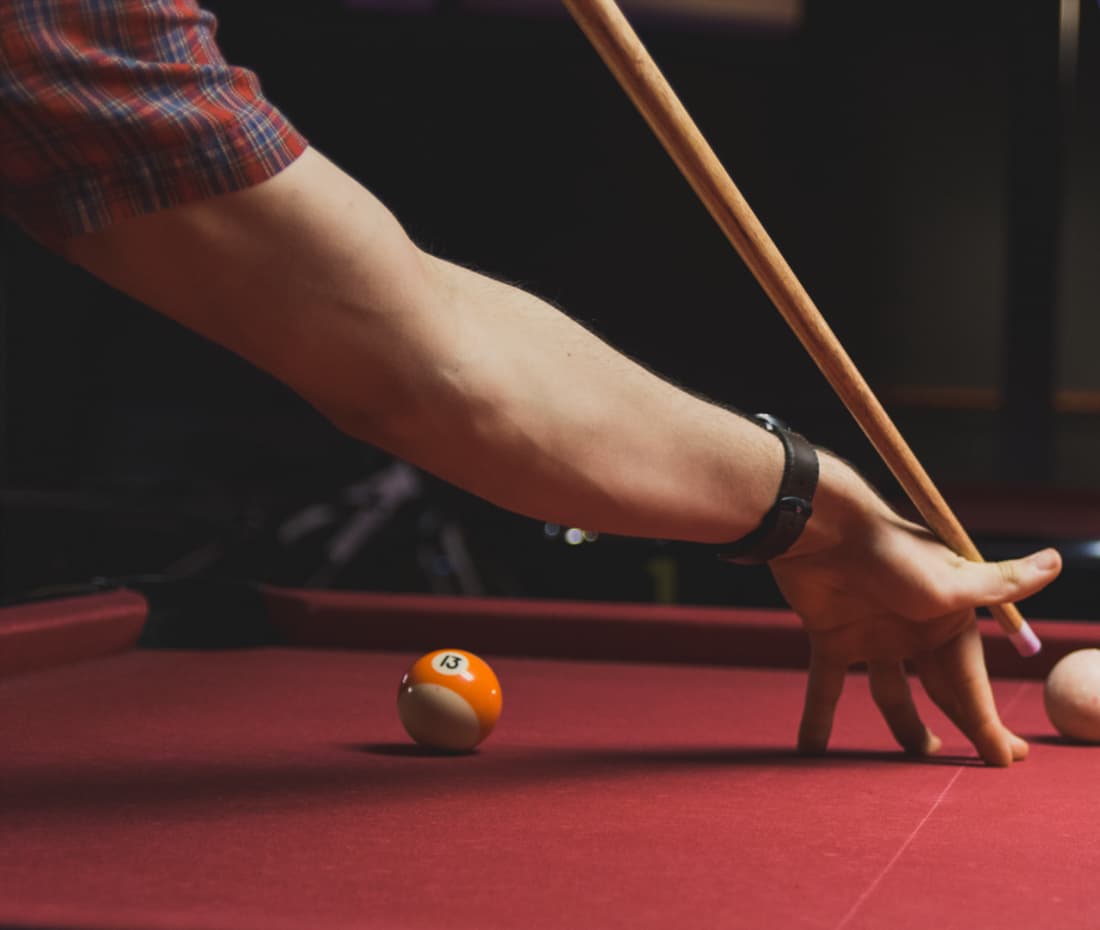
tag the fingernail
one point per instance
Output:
(1046, 561)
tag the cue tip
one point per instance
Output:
(1025, 640)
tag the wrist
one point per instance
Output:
(784, 522)
(844, 506)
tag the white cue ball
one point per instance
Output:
(1072, 695)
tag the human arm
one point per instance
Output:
(309, 277)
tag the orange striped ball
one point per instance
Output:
(449, 699)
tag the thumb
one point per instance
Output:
(1010, 580)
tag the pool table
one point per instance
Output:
(642, 775)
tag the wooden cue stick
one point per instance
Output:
(622, 51)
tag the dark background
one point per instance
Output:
(911, 164)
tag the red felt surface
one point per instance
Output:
(52, 632)
(57, 632)
(600, 630)
(275, 788)
(532, 627)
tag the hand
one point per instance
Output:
(872, 587)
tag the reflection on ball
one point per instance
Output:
(1072, 695)
(449, 699)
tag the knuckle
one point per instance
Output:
(1009, 572)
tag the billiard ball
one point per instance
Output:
(1072, 695)
(449, 699)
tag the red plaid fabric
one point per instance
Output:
(116, 108)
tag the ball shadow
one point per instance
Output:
(409, 750)
(1047, 739)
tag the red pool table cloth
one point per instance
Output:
(274, 788)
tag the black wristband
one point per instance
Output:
(783, 524)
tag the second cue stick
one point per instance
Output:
(622, 51)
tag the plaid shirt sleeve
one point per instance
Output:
(111, 110)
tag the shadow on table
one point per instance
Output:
(378, 773)
(1048, 739)
(680, 756)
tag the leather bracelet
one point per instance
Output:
(786, 519)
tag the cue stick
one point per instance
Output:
(622, 51)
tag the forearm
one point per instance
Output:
(474, 380)
(544, 418)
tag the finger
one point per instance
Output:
(939, 690)
(890, 689)
(962, 666)
(823, 688)
(977, 584)
(931, 676)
